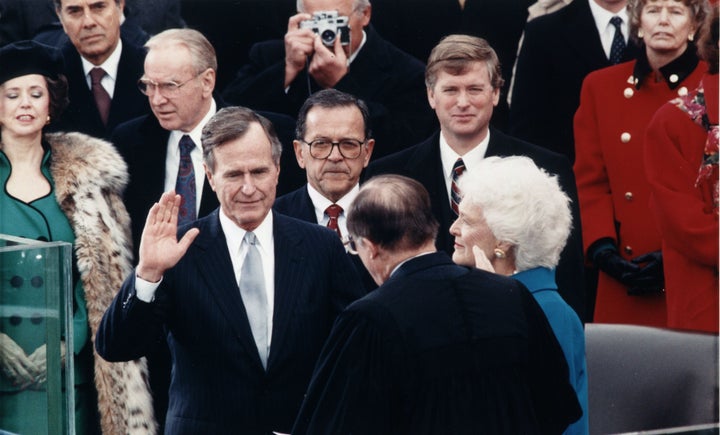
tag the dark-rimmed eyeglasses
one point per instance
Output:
(166, 89)
(321, 148)
(350, 245)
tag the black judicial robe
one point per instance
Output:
(440, 348)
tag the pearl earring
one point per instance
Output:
(640, 33)
(499, 253)
(691, 37)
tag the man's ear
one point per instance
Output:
(297, 147)
(209, 175)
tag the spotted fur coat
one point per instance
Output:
(90, 177)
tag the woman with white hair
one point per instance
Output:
(514, 220)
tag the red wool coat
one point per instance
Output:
(616, 105)
(685, 212)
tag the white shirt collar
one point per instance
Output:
(362, 43)
(472, 158)
(195, 134)
(110, 65)
(234, 234)
(602, 22)
(321, 203)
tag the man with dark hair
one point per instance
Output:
(437, 348)
(247, 296)
(333, 144)
(463, 81)
(102, 68)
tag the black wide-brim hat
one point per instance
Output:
(29, 57)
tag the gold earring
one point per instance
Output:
(499, 253)
(691, 37)
(47, 121)
(640, 33)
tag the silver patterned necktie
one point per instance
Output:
(252, 291)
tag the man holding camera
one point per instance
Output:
(330, 44)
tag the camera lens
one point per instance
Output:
(328, 37)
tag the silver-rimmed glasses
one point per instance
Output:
(321, 148)
(166, 89)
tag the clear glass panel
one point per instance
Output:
(36, 390)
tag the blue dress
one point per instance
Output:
(22, 295)
(569, 333)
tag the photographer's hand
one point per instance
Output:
(328, 66)
(299, 45)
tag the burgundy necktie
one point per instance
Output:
(455, 197)
(102, 98)
(333, 212)
(185, 184)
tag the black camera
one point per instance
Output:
(329, 26)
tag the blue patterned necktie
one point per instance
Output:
(457, 170)
(252, 291)
(185, 184)
(618, 43)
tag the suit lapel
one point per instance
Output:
(582, 35)
(289, 270)
(215, 268)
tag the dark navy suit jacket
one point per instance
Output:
(422, 163)
(218, 382)
(299, 205)
(127, 102)
(558, 51)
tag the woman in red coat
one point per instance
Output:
(616, 104)
(681, 160)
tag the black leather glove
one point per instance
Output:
(610, 262)
(649, 279)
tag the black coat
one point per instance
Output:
(440, 349)
(558, 51)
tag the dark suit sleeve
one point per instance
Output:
(129, 326)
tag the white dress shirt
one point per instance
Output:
(111, 68)
(321, 204)
(471, 159)
(172, 157)
(605, 29)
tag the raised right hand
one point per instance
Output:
(298, 46)
(159, 247)
(15, 364)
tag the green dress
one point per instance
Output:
(22, 293)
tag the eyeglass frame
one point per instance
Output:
(334, 144)
(350, 244)
(142, 84)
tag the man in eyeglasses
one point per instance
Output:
(101, 66)
(163, 151)
(333, 144)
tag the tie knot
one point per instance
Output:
(616, 21)
(250, 238)
(459, 167)
(333, 211)
(186, 144)
(96, 74)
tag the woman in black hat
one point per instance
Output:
(60, 187)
